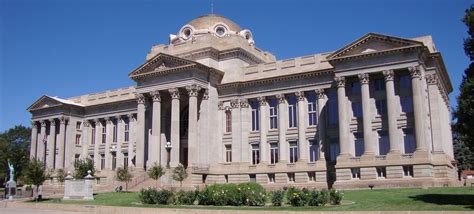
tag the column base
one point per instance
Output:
(367, 157)
(394, 155)
(421, 154)
(343, 157)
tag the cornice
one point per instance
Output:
(376, 53)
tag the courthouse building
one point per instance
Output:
(375, 111)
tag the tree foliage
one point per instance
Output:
(15, 145)
(464, 113)
(82, 166)
(155, 172)
(180, 174)
(35, 173)
(123, 175)
(60, 175)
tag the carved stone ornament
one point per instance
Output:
(340, 81)
(364, 78)
(52, 122)
(43, 123)
(86, 123)
(234, 103)
(205, 96)
(140, 98)
(155, 96)
(299, 95)
(388, 75)
(174, 92)
(262, 101)
(220, 105)
(281, 98)
(109, 120)
(130, 117)
(244, 103)
(162, 66)
(118, 118)
(431, 79)
(414, 72)
(320, 93)
(63, 120)
(33, 124)
(193, 90)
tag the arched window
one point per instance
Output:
(228, 121)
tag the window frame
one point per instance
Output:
(293, 151)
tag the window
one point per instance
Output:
(273, 113)
(332, 108)
(408, 171)
(114, 161)
(127, 131)
(255, 154)
(334, 149)
(228, 121)
(384, 143)
(407, 104)
(312, 110)
(312, 176)
(355, 173)
(313, 150)
(355, 88)
(409, 141)
(226, 178)
(93, 135)
(405, 82)
(379, 84)
(102, 161)
(291, 177)
(78, 125)
(293, 151)
(104, 134)
(204, 177)
(220, 31)
(78, 139)
(125, 160)
(255, 115)
(274, 153)
(357, 109)
(228, 153)
(76, 158)
(271, 178)
(114, 133)
(381, 106)
(359, 143)
(292, 112)
(252, 178)
(92, 159)
(381, 172)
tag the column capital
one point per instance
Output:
(63, 120)
(174, 92)
(340, 81)
(43, 123)
(262, 101)
(415, 72)
(320, 93)
(234, 103)
(388, 75)
(109, 120)
(155, 96)
(244, 103)
(130, 117)
(281, 98)
(140, 98)
(193, 90)
(118, 118)
(432, 79)
(52, 122)
(205, 96)
(86, 123)
(299, 95)
(220, 105)
(364, 78)
(34, 124)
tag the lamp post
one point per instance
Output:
(168, 149)
(113, 151)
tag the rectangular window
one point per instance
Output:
(125, 160)
(252, 178)
(359, 143)
(332, 108)
(334, 149)
(127, 131)
(381, 172)
(255, 154)
(93, 135)
(381, 106)
(293, 151)
(357, 109)
(407, 104)
(228, 153)
(204, 177)
(271, 178)
(312, 176)
(255, 115)
(313, 150)
(228, 121)
(114, 132)
(78, 139)
(409, 141)
(273, 113)
(78, 125)
(292, 112)
(312, 110)
(76, 158)
(274, 153)
(104, 134)
(226, 178)
(291, 177)
(408, 171)
(379, 84)
(114, 161)
(384, 143)
(405, 81)
(102, 161)
(355, 173)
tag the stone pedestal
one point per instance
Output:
(10, 189)
(78, 189)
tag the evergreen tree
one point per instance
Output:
(82, 166)
(179, 174)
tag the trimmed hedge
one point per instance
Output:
(248, 194)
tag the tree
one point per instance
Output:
(82, 166)
(60, 175)
(15, 145)
(155, 172)
(124, 175)
(465, 110)
(35, 173)
(179, 174)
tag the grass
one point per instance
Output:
(439, 199)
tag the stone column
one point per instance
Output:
(282, 127)
(175, 135)
(391, 112)
(204, 133)
(51, 144)
(236, 131)
(369, 146)
(246, 123)
(34, 138)
(417, 95)
(120, 140)
(435, 112)
(108, 142)
(140, 130)
(264, 121)
(131, 138)
(193, 154)
(321, 95)
(86, 137)
(98, 141)
(154, 148)
(302, 121)
(61, 142)
(41, 143)
(343, 122)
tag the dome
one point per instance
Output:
(211, 20)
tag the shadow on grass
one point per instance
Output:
(447, 199)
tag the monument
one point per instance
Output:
(11, 184)
(80, 189)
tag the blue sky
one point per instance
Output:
(69, 48)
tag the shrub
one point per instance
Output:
(163, 197)
(186, 198)
(323, 197)
(251, 194)
(295, 197)
(316, 198)
(147, 196)
(335, 196)
(277, 198)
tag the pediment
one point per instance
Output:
(373, 43)
(44, 102)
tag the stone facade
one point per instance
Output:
(373, 112)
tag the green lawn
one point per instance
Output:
(439, 199)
